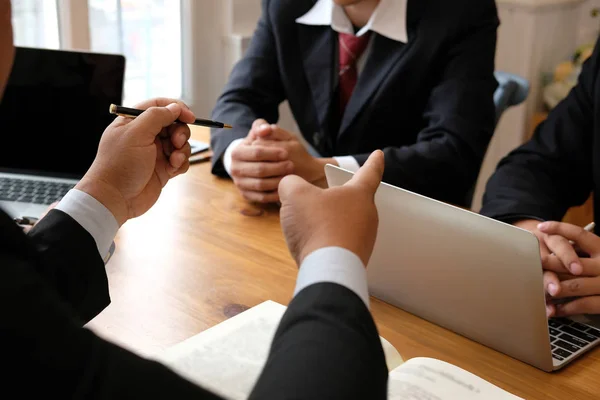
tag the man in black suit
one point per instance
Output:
(414, 78)
(53, 280)
(539, 181)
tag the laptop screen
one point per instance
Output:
(55, 109)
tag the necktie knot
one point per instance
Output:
(351, 48)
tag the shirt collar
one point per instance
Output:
(388, 19)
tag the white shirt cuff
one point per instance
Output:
(347, 162)
(93, 217)
(334, 265)
(227, 155)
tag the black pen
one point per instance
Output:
(134, 112)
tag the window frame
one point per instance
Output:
(75, 34)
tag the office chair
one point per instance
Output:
(512, 90)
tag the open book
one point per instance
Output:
(228, 358)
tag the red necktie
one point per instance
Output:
(351, 48)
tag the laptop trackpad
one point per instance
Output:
(588, 319)
(16, 210)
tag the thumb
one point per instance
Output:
(292, 186)
(369, 176)
(151, 122)
(258, 125)
(273, 132)
(258, 122)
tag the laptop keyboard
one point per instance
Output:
(32, 191)
(567, 337)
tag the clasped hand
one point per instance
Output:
(571, 262)
(266, 156)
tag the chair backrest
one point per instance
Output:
(512, 90)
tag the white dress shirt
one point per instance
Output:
(334, 265)
(330, 264)
(388, 19)
(93, 217)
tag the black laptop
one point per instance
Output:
(53, 113)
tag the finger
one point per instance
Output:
(583, 305)
(261, 169)
(280, 144)
(179, 134)
(176, 161)
(259, 122)
(262, 131)
(256, 126)
(164, 132)
(181, 170)
(258, 153)
(179, 157)
(162, 167)
(565, 252)
(590, 266)
(588, 242)
(258, 185)
(565, 277)
(151, 122)
(544, 250)
(273, 132)
(268, 143)
(551, 262)
(186, 116)
(579, 287)
(551, 283)
(260, 197)
(292, 187)
(167, 147)
(550, 310)
(370, 174)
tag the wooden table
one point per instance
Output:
(202, 255)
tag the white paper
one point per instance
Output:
(430, 379)
(228, 358)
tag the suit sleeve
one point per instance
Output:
(254, 90)
(50, 354)
(68, 261)
(552, 172)
(326, 347)
(444, 162)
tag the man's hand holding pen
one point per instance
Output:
(137, 157)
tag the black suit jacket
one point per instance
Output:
(560, 166)
(54, 281)
(428, 103)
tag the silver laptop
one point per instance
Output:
(473, 275)
(52, 115)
